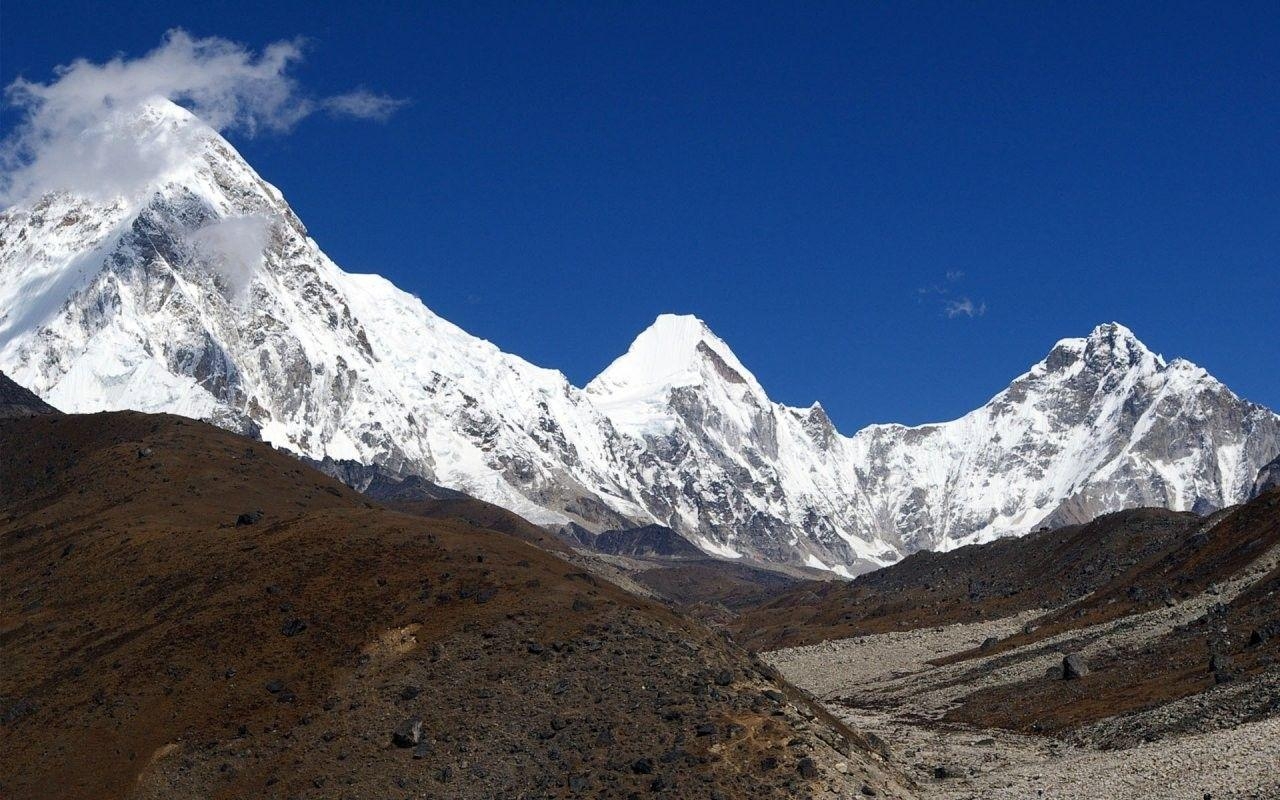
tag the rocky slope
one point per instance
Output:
(1043, 570)
(187, 613)
(205, 296)
(17, 401)
(1268, 478)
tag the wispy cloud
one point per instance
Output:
(363, 104)
(963, 307)
(74, 130)
(953, 303)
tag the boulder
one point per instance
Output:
(293, 627)
(407, 733)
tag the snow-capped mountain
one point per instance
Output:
(204, 295)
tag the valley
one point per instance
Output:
(1158, 681)
(188, 611)
(272, 528)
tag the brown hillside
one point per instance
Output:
(1042, 570)
(157, 643)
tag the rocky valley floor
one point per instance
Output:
(1204, 745)
(1134, 657)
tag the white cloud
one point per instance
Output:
(953, 304)
(964, 307)
(232, 248)
(75, 130)
(363, 104)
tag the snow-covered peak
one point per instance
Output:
(1109, 348)
(676, 350)
(160, 111)
(192, 288)
(1112, 344)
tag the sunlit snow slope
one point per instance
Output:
(204, 296)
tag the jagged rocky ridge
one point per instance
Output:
(205, 296)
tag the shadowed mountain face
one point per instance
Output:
(185, 612)
(138, 303)
(17, 401)
(653, 541)
(1268, 478)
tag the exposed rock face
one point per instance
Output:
(205, 296)
(654, 541)
(1268, 478)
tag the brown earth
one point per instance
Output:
(157, 643)
(1185, 567)
(480, 514)
(1176, 665)
(715, 591)
(1045, 570)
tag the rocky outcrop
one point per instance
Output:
(650, 541)
(1268, 478)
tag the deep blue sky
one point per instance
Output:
(567, 172)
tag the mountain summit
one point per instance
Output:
(205, 296)
(676, 354)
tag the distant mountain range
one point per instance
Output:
(205, 296)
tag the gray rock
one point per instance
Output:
(407, 733)
(1073, 667)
